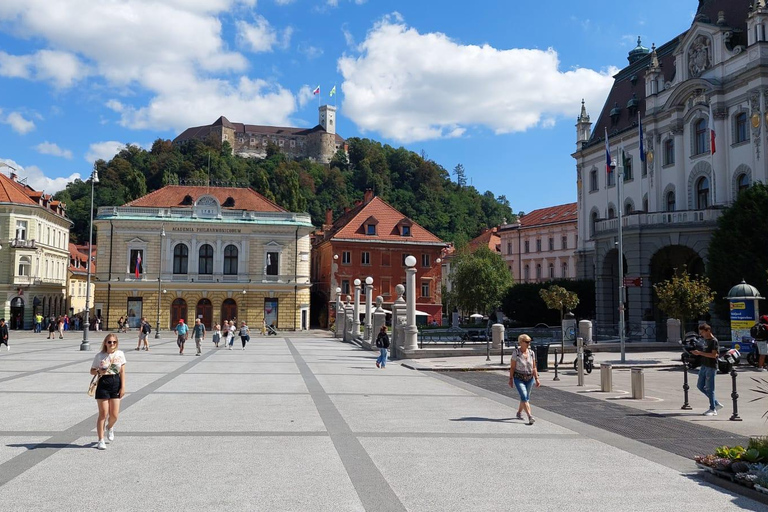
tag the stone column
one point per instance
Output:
(339, 326)
(497, 336)
(410, 341)
(379, 319)
(347, 320)
(398, 321)
(356, 318)
(369, 333)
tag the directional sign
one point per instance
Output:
(633, 281)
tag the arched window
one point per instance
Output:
(230, 260)
(205, 260)
(700, 137)
(628, 208)
(645, 204)
(702, 193)
(593, 224)
(611, 213)
(671, 201)
(180, 259)
(24, 263)
(743, 183)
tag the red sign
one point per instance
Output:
(633, 281)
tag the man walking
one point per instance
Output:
(198, 332)
(144, 330)
(4, 334)
(38, 322)
(181, 335)
(708, 369)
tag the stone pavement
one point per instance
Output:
(305, 422)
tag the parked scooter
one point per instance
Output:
(589, 360)
(726, 360)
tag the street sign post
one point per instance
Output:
(633, 281)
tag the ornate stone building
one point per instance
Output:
(715, 74)
(34, 236)
(319, 143)
(215, 253)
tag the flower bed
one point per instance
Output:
(746, 466)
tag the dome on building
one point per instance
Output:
(638, 52)
(744, 291)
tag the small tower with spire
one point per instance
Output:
(583, 127)
(638, 52)
(757, 20)
(653, 76)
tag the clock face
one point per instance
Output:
(755, 120)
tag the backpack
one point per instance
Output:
(759, 331)
(146, 328)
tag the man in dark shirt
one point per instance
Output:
(4, 333)
(708, 369)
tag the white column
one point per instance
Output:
(411, 332)
(339, 325)
(368, 303)
(356, 319)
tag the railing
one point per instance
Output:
(18, 243)
(659, 219)
(453, 336)
(188, 213)
(23, 280)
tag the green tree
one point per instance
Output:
(739, 246)
(557, 297)
(480, 280)
(461, 175)
(683, 298)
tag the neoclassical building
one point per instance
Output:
(215, 253)
(713, 75)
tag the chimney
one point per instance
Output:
(368, 195)
(358, 202)
(13, 176)
(329, 216)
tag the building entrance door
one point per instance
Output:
(228, 310)
(17, 313)
(178, 312)
(205, 313)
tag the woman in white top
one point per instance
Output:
(232, 329)
(109, 364)
(523, 374)
(216, 335)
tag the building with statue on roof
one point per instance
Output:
(214, 253)
(250, 141)
(712, 76)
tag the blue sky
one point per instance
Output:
(495, 85)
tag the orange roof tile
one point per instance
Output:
(489, 238)
(12, 192)
(351, 225)
(172, 196)
(552, 215)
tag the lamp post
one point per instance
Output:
(368, 300)
(84, 345)
(159, 271)
(356, 319)
(337, 323)
(245, 308)
(411, 332)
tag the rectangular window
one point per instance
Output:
(346, 257)
(281, 143)
(592, 181)
(627, 167)
(21, 230)
(370, 229)
(509, 247)
(137, 258)
(385, 259)
(527, 246)
(293, 143)
(405, 230)
(742, 134)
(386, 286)
(669, 151)
(425, 260)
(253, 141)
(273, 263)
(365, 258)
(551, 244)
(611, 179)
(564, 242)
(425, 288)
(538, 245)
(345, 286)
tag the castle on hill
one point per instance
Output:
(250, 141)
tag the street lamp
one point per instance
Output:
(245, 308)
(368, 299)
(159, 271)
(84, 345)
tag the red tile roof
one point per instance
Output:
(552, 215)
(13, 192)
(351, 225)
(489, 238)
(80, 253)
(172, 196)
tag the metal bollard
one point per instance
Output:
(606, 377)
(638, 383)
(580, 361)
(556, 377)
(735, 396)
(686, 406)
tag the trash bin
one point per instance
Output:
(542, 356)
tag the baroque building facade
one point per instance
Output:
(34, 256)
(250, 141)
(214, 253)
(714, 75)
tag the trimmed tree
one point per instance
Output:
(682, 297)
(557, 297)
(480, 281)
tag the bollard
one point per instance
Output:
(638, 383)
(580, 361)
(606, 377)
(556, 377)
(735, 396)
(686, 406)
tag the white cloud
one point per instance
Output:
(311, 52)
(103, 151)
(348, 37)
(256, 37)
(410, 86)
(62, 69)
(335, 3)
(18, 123)
(37, 179)
(50, 148)
(305, 95)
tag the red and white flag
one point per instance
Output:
(138, 264)
(317, 90)
(712, 147)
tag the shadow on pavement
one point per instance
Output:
(478, 418)
(55, 446)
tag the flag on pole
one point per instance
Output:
(138, 263)
(333, 91)
(317, 90)
(711, 130)
(642, 144)
(607, 154)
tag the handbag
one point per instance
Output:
(92, 386)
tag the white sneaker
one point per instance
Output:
(110, 434)
(711, 412)
(101, 445)
(718, 407)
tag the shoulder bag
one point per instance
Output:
(92, 386)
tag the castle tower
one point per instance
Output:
(583, 127)
(328, 118)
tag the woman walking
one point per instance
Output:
(523, 374)
(61, 327)
(382, 342)
(216, 335)
(232, 329)
(245, 334)
(51, 328)
(109, 365)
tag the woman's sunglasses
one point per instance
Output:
(111, 342)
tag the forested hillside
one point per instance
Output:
(418, 187)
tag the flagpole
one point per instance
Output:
(712, 149)
(620, 179)
(335, 93)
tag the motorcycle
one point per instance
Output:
(589, 361)
(726, 360)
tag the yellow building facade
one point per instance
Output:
(214, 253)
